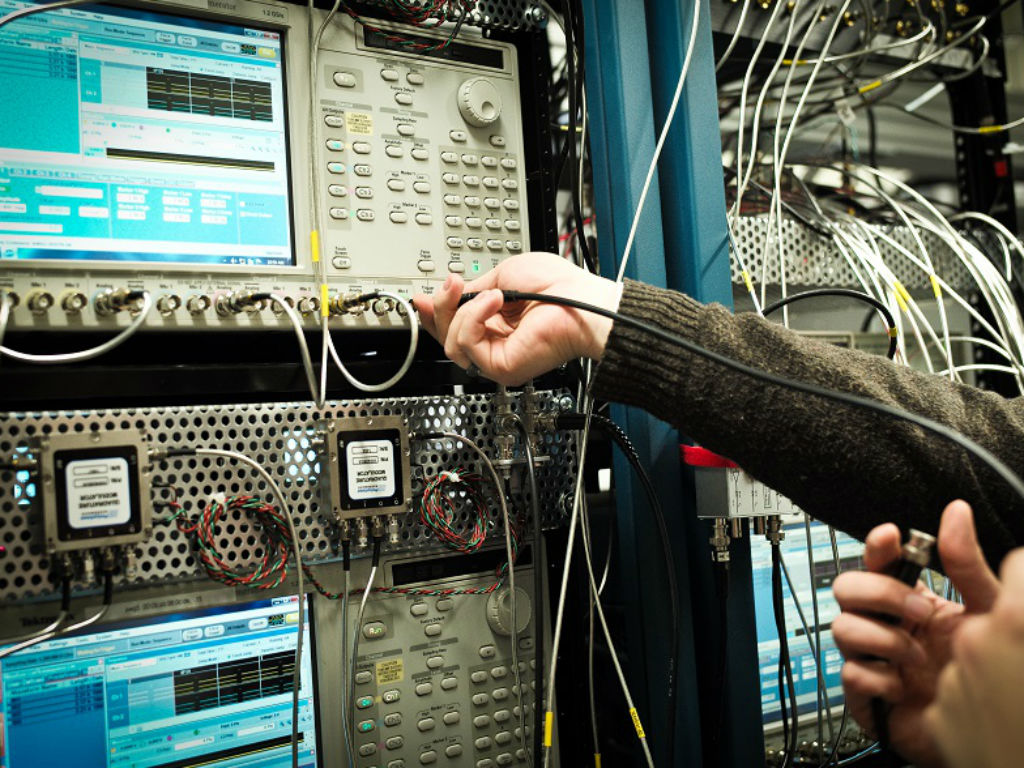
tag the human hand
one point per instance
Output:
(513, 342)
(975, 718)
(901, 662)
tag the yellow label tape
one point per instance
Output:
(636, 723)
(325, 308)
(902, 295)
(314, 245)
(870, 86)
(936, 288)
(549, 726)
(747, 281)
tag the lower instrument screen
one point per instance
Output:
(211, 687)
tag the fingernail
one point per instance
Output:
(917, 608)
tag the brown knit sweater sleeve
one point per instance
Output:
(846, 466)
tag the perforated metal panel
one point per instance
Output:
(281, 437)
(813, 260)
(509, 15)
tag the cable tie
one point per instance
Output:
(549, 726)
(636, 723)
(314, 245)
(936, 288)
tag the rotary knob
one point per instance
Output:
(499, 611)
(479, 101)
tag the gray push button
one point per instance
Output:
(449, 684)
(479, 676)
(484, 742)
(424, 689)
(393, 719)
(428, 757)
(368, 749)
(451, 718)
(453, 750)
(418, 609)
(426, 724)
(435, 662)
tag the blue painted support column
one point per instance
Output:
(633, 65)
(697, 262)
(622, 134)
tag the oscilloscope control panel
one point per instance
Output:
(193, 172)
(436, 681)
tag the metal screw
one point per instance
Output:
(537, 15)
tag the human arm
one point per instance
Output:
(976, 715)
(845, 466)
(896, 639)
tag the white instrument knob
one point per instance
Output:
(479, 101)
(499, 611)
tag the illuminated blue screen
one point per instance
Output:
(142, 137)
(818, 576)
(203, 688)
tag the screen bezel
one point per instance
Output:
(213, 609)
(245, 13)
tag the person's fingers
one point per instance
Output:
(491, 279)
(881, 547)
(870, 593)
(466, 338)
(424, 306)
(963, 559)
(870, 680)
(446, 304)
(1011, 572)
(858, 637)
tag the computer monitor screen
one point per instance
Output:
(136, 136)
(209, 687)
(814, 574)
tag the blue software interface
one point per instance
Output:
(136, 136)
(201, 689)
(809, 574)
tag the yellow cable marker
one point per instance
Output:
(597, 760)
(991, 128)
(549, 726)
(636, 723)
(869, 86)
(747, 281)
(314, 245)
(325, 309)
(898, 291)
(902, 291)
(894, 333)
(936, 288)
